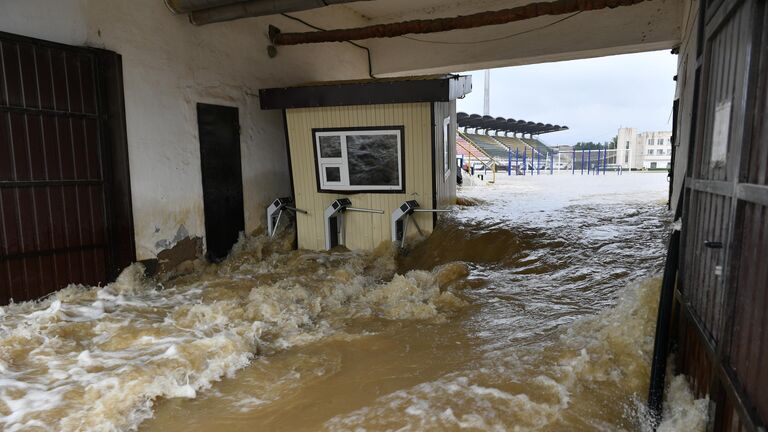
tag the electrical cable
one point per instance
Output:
(367, 50)
(494, 39)
(686, 29)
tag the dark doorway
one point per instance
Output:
(219, 131)
(65, 212)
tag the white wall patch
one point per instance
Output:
(720, 133)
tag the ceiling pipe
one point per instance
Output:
(481, 19)
(203, 12)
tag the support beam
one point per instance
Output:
(481, 19)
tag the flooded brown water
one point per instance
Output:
(533, 309)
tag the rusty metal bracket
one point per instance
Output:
(272, 33)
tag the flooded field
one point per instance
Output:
(532, 307)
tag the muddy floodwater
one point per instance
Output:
(532, 307)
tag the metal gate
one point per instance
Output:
(722, 294)
(56, 175)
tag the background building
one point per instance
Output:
(644, 150)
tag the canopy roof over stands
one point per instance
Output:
(476, 121)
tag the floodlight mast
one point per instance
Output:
(487, 93)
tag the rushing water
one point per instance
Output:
(533, 308)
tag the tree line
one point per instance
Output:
(589, 145)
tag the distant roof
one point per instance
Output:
(476, 121)
(431, 88)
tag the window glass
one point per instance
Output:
(332, 174)
(360, 160)
(330, 146)
(372, 160)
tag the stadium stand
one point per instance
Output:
(513, 143)
(489, 146)
(491, 137)
(538, 145)
(465, 148)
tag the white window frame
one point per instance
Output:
(447, 131)
(343, 162)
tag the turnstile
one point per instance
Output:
(401, 216)
(275, 213)
(334, 221)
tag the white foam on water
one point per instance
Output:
(97, 358)
(598, 358)
(682, 411)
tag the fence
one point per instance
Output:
(591, 162)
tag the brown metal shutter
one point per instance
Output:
(723, 336)
(53, 160)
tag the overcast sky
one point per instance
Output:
(592, 97)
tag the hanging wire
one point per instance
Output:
(686, 29)
(367, 50)
(497, 38)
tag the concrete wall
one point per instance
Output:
(169, 66)
(627, 150)
(364, 231)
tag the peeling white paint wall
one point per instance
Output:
(169, 66)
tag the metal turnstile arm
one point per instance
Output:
(364, 210)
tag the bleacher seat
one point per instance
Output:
(513, 143)
(489, 146)
(538, 145)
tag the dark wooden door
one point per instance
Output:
(222, 178)
(55, 169)
(724, 342)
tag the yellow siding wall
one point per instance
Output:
(364, 230)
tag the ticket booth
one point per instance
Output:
(359, 150)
